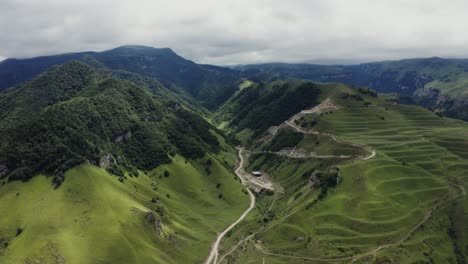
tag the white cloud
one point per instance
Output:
(240, 31)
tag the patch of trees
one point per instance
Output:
(285, 138)
(306, 123)
(19, 230)
(356, 97)
(367, 91)
(327, 179)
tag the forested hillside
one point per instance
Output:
(110, 166)
(72, 114)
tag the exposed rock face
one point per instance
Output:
(119, 139)
(176, 107)
(313, 181)
(158, 225)
(105, 161)
(151, 217)
(300, 238)
(156, 221)
(161, 210)
(3, 242)
(125, 137)
(3, 170)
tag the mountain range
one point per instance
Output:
(137, 155)
(435, 83)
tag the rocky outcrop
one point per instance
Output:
(3, 242)
(105, 161)
(176, 106)
(156, 222)
(313, 181)
(125, 137)
(3, 170)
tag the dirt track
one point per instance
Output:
(213, 256)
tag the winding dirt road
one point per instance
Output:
(313, 132)
(213, 256)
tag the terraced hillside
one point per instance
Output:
(405, 205)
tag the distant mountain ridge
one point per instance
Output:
(209, 84)
(435, 83)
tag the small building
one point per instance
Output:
(256, 173)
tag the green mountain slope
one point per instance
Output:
(112, 172)
(94, 218)
(405, 204)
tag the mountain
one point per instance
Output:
(436, 83)
(113, 158)
(73, 113)
(15, 71)
(356, 178)
(209, 84)
(112, 172)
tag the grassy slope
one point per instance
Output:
(395, 192)
(420, 157)
(93, 218)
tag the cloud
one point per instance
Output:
(240, 31)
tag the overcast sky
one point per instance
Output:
(240, 31)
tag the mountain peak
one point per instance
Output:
(140, 49)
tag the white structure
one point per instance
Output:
(256, 173)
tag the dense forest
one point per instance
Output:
(74, 114)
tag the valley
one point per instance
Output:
(105, 159)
